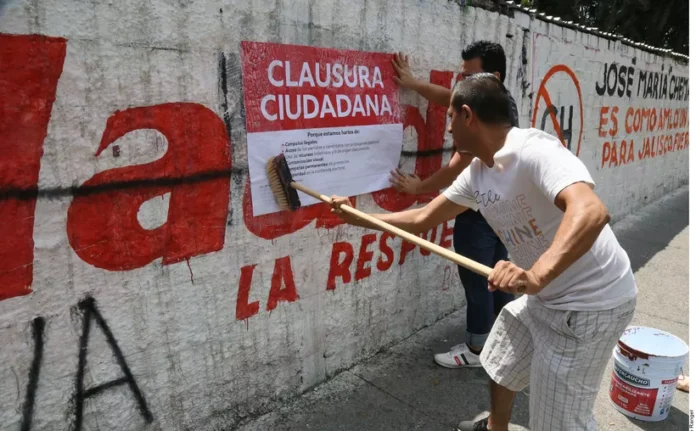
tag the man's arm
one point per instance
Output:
(415, 221)
(404, 77)
(444, 177)
(585, 217)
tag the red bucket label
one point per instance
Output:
(640, 401)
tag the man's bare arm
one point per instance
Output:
(433, 92)
(444, 177)
(404, 77)
(585, 217)
(415, 221)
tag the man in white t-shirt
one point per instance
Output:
(580, 293)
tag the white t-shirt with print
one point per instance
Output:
(516, 197)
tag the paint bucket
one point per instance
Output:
(647, 364)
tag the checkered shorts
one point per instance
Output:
(561, 355)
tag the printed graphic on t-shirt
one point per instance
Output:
(515, 225)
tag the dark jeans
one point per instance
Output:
(474, 238)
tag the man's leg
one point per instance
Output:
(566, 374)
(472, 238)
(502, 400)
(507, 358)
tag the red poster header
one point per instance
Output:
(290, 87)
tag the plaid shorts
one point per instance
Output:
(561, 355)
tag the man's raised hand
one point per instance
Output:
(404, 76)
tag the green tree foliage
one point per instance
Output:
(660, 23)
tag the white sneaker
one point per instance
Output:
(460, 356)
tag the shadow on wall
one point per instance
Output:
(645, 234)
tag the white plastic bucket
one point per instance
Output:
(647, 364)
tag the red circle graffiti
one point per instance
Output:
(559, 68)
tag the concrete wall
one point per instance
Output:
(136, 289)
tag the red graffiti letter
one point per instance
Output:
(406, 247)
(365, 256)
(282, 274)
(387, 252)
(606, 152)
(431, 137)
(445, 236)
(424, 235)
(30, 67)
(338, 267)
(614, 121)
(603, 111)
(244, 309)
(103, 227)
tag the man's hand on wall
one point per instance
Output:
(404, 76)
(404, 183)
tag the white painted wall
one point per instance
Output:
(198, 367)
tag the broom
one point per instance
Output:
(285, 191)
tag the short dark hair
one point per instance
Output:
(492, 56)
(486, 95)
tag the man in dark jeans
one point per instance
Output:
(473, 237)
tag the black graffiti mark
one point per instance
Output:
(567, 132)
(616, 79)
(222, 72)
(427, 153)
(235, 121)
(86, 190)
(620, 79)
(168, 48)
(37, 333)
(89, 307)
(522, 71)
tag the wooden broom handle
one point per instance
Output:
(434, 248)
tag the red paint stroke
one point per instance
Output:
(556, 125)
(386, 258)
(424, 235)
(103, 227)
(406, 248)
(30, 67)
(446, 235)
(363, 269)
(282, 275)
(339, 266)
(244, 309)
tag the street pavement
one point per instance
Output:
(403, 389)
